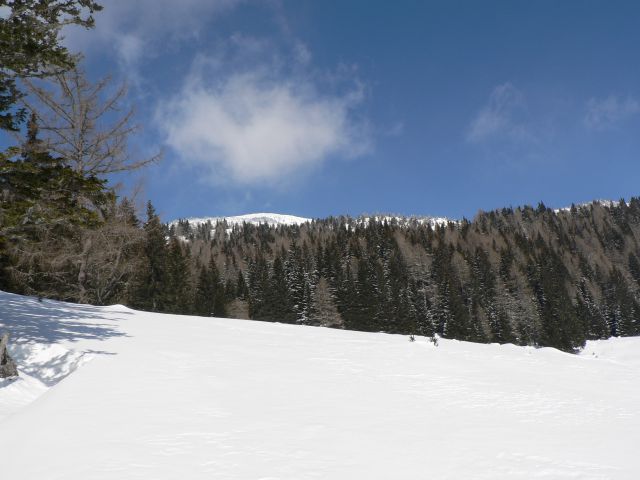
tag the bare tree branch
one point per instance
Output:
(85, 123)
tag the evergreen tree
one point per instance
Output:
(210, 299)
(241, 287)
(561, 327)
(622, 307)
(30, 46)
(43, 208)
(634, 267)
(177, 297)
(149, 288)
(278, 306)
(324, 311)
(594, 323)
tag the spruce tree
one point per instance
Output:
(210, 299)
(177, 297)
(148, 291)
(43, 208)
(31, 46)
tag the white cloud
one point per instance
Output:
(606, 113)
(252, 128)
(503, 116)
(138, 28)
(267, 114)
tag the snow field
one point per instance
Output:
(110, 393)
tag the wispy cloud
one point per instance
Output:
(250, 110)
(256, 127)
(395, 130)
(135, 29)
(606, 113)
(502, 116)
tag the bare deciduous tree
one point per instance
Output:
(91, 266)
(87, 124)
(110, 256)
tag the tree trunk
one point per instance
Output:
(82, 271)
(8, 367)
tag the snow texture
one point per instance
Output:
(111, 393)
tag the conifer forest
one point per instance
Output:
(529, 276)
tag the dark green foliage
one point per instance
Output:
(561, 327)
(452, 315)
(587, 311)
(41, 199)
(62, 232)
(531, 276)
(178, 296)
(277, 304)
(210, 298)
(622, 309)
(30, 46)
(241, 290)
(149, 289)
(634, 267)
(40, 190)
(44, 207)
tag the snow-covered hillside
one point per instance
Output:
(406, 220)
(602, 202)
(111, 393)
(275, 219)
(272, 219)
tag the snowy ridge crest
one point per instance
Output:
(277, 219)
(602, 202)
(271, 219)
(406, 220)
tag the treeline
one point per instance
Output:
(64, 233)
(530, 276)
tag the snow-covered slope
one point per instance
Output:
(603, 202)
(275, 219)
(406, 220)
(272, 219)
(111, 393)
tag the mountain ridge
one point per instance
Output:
(276, 218)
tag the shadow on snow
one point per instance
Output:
(29, 320)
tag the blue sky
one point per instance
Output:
(319, 108)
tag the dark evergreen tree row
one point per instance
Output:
(531, 276)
